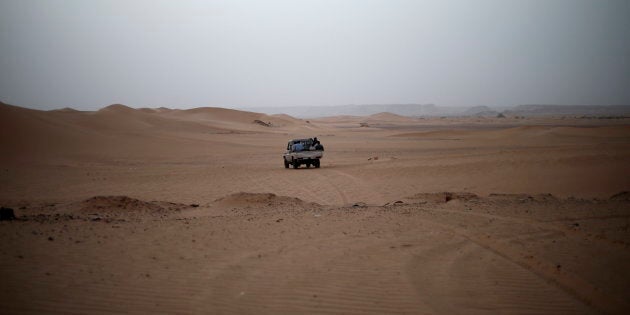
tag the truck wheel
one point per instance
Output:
(286, 164)
(316, 163)
(296, 164)
(308, 165)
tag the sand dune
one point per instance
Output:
(257, 199)
(192, 211)
(119, 127)
(388, 118)
(229, 117)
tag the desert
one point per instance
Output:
(158, 210)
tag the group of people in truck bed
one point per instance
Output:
(311, 144)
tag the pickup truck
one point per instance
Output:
(302, 151)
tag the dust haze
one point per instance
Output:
(242, 54)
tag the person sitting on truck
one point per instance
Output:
(313, 144)
(297, 147)
(317, 145)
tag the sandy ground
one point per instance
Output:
(171, 211)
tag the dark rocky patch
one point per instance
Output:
(6, 214)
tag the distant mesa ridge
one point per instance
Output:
(432, 110)
(589, 110)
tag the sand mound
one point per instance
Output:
(524, 197)
(443, 196)
(259, 199)
(124, 204)
(621, 196)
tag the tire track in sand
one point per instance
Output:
(463, 275)
(324, 185)
(349, 185)
(422, 267)
(508, 249)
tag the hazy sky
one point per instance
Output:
(182, 54)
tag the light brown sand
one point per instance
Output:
(368, 232)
